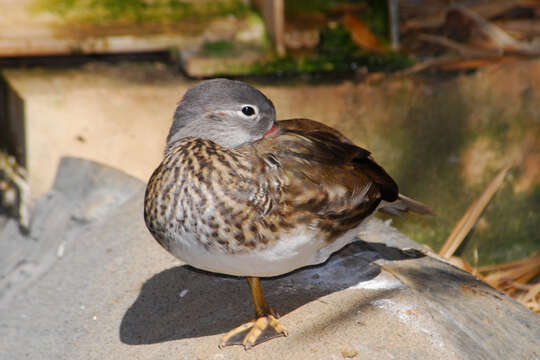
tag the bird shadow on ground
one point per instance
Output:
(183, 302)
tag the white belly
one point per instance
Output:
(299, 248)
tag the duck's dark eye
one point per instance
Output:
(248, 110)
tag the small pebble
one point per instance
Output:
(349, 354)
(61, 249)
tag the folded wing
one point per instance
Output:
(324, 174)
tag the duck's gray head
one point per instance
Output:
(227, 112)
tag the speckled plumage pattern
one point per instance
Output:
(216, 193)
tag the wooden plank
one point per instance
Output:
(273, 12)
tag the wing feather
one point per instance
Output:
(324, 173)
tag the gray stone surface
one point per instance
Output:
(91, 283)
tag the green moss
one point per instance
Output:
(431, 132)
(336, 53)
(336, 39)
(376, 18)
(510, 227)
(218, 48)
(329, 64)
(100, 11)
(430, 138)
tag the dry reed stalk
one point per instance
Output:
(504, 266)
(471, 216)
(513, 278)
(521, 274)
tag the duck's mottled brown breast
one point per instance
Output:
(227, 199)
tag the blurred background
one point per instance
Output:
(444, 93)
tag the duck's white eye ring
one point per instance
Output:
(248, 110)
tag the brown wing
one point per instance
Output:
(325, 176)
(402, 204)
(333, 147)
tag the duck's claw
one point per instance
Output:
(254, 332)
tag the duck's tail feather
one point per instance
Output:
(404, 204)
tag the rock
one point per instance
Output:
(100, 287)
(83, 192)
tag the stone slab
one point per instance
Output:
(113, 293)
